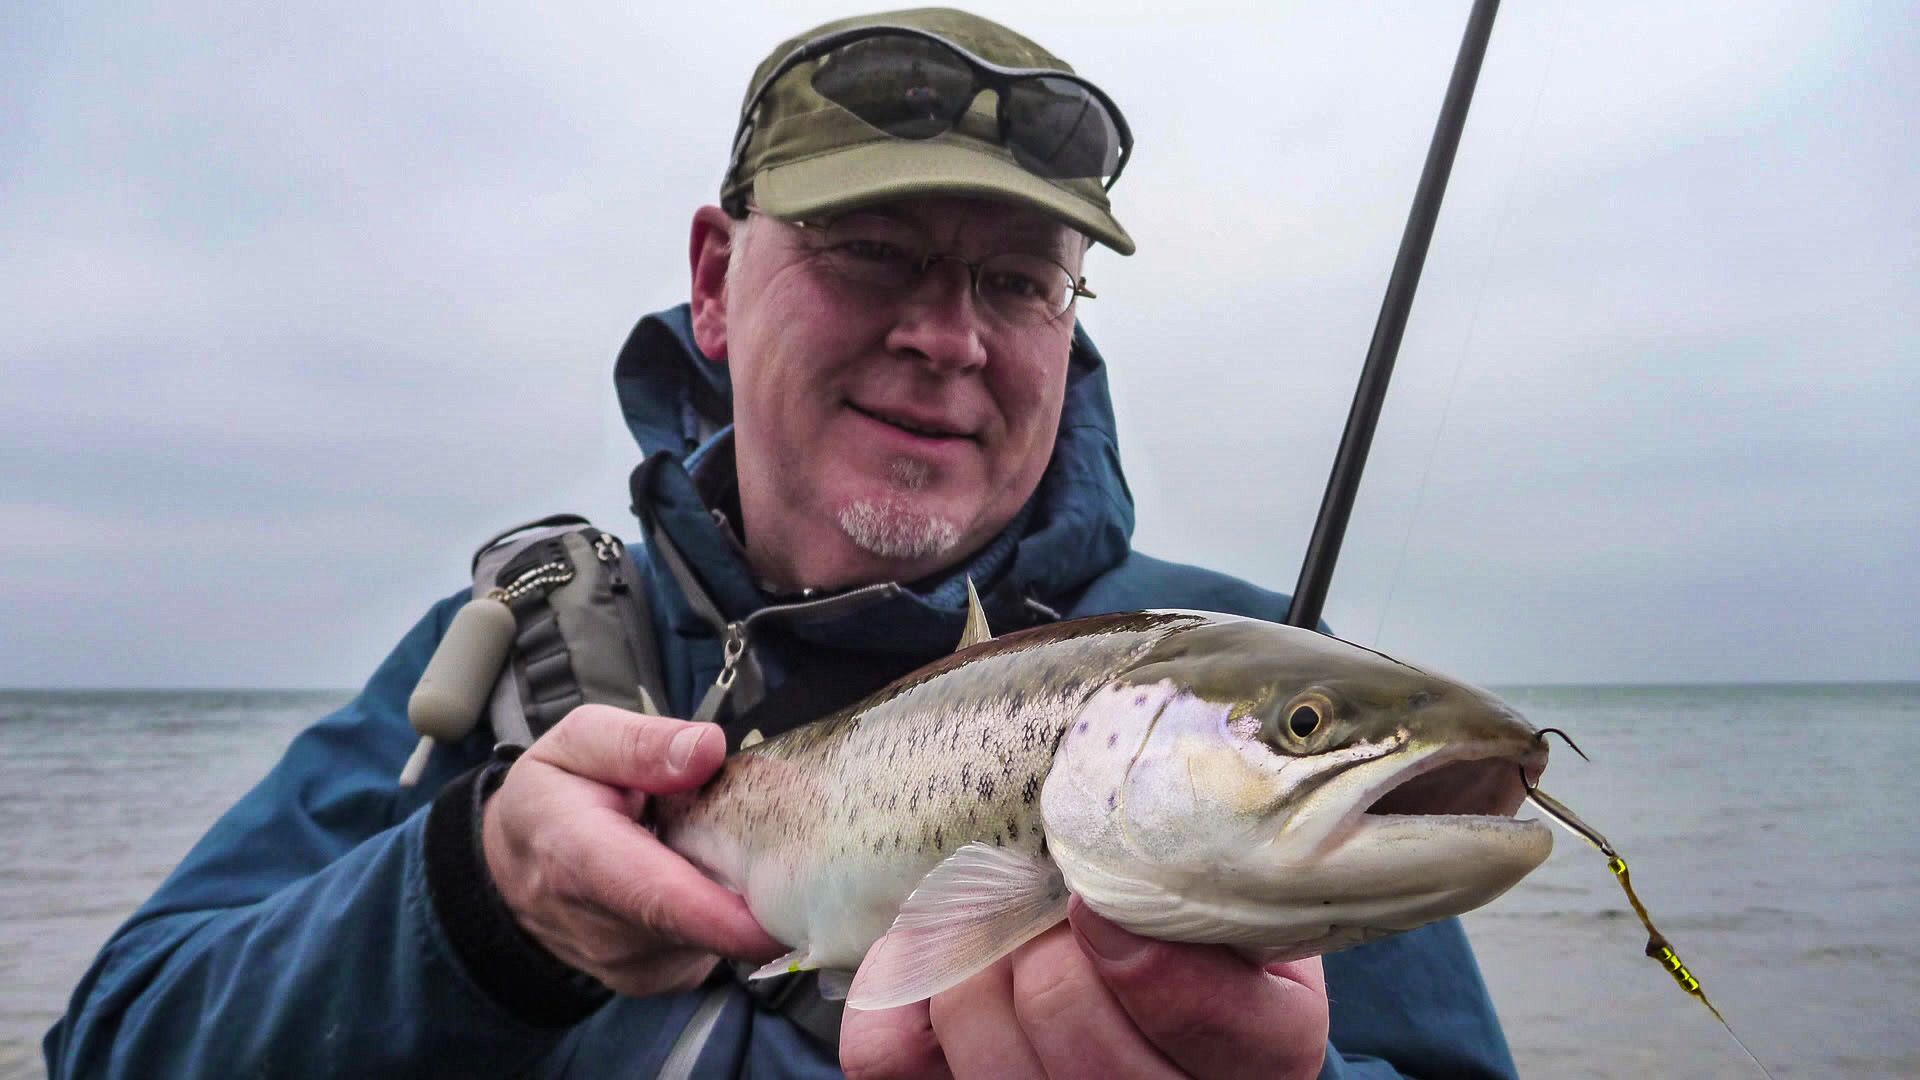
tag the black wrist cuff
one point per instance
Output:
(514, 969)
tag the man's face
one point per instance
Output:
(883, 437)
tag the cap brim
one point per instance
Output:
(888, 169)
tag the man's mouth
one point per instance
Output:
(927, 427)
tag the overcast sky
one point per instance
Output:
(298, 303)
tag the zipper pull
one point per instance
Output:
(608, 549)
(732, 651)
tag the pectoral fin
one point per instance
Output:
(978, 905)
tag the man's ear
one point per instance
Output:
(709, 250)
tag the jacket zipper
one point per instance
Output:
(738, 635)
(613, 554)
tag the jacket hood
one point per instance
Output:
(679, 406)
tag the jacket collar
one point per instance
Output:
(678, 405)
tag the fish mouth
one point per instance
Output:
(1482, 783)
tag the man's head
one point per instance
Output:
(891, 287)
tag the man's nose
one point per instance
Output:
(941, 320)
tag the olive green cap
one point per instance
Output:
(808, 157)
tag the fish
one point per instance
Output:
(1191, 776)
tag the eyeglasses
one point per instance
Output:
(915, 85)
(890, 256)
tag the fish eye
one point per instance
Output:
(1293, 725)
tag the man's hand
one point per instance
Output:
(1092, 1000)
(589, 883)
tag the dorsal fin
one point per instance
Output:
(976, 631)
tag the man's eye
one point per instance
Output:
(873, 251)
(1013, 284)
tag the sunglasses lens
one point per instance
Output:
(1056, 127)
(906, 87)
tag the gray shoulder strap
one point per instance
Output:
(505, 714)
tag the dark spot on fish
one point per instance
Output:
(1140, 698)
(1081, 727)
(878, 843)
(940, 839)
(1113, 799)
(1030, 790)
(985, 787)
(913, 801)
(1013, 829)
(1113, 739)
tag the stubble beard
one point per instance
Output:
(895, 525)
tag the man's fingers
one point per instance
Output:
(1209, 1010)
(1071, 1019)
(655, 754)
(666, 971)
(979, 1031)
(891, 1044)
(637, 879)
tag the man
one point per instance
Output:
(878, 379)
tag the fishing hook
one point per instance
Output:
(1541, 736)
(1546, 731)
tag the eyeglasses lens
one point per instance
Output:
(881, 253)
(914, 88)
(1056, 127)
(909, 88)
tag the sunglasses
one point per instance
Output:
(915, 85)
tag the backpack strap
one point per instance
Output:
(585, 633)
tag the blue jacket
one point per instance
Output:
(301, 936)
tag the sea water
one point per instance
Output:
(1769, 830)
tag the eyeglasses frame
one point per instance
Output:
(974, 266)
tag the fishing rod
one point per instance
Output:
(1336, 506)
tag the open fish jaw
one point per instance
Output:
(1401, 817)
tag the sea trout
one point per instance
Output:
(1191, 776)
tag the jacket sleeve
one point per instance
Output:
(1413, 1004)
(298, 936)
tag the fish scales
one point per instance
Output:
(853, 809)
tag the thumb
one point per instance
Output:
(655, 754)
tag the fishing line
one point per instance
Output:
(1473, 321)
(1658, 947)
